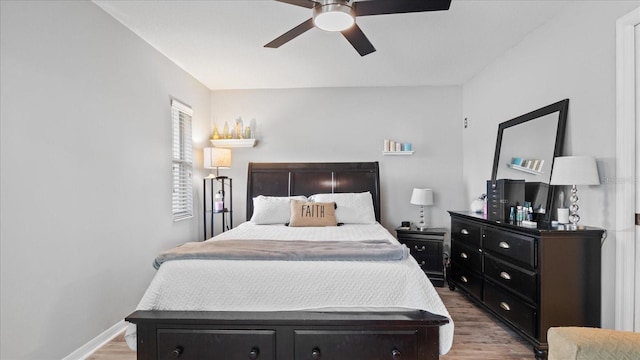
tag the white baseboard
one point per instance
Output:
(89, 348)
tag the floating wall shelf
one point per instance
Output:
(232, 143)
(397, 153)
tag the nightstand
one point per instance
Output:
(426, 246)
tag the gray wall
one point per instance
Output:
(573, 56)
(350, 124)
(86, 172)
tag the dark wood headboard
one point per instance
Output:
(290, 179)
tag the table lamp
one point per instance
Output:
(422, 197)
(574, 170)
(217, 158)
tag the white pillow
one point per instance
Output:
(272, 209)
(353, 208)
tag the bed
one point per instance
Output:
(281, 309)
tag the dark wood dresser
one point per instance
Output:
(531, 279)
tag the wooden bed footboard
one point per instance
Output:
(298, 335)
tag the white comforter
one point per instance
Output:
(231, 285)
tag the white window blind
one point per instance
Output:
(182, 161)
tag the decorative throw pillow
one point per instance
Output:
(353, 208)
(272, 209)
(305, 213)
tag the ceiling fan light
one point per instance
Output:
(333, 17)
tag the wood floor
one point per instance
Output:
(477, 335)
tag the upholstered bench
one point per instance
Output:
(582, 343)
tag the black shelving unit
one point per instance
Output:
(223, 183)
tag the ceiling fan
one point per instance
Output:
(340, 15)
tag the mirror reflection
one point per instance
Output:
(525, 149)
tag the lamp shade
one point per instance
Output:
(217, 158)
(422, 197)
(575, 170)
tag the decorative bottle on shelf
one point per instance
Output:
(238, 129)
(225, 131)
(216, 134)
(218, 204)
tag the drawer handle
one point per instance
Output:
(504, 245)
(464, 232)
(315, 354)
(464, 255)
(253, 354)
(421, 249)
(464, 279)
(396, 354)
(177, 352)
(505, 306)
(423, 263)
(505, 275)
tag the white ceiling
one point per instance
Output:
(220, 42)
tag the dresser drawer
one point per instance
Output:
(514, 278)
(514, 310)
(466, 256)
(511, 246)
(466, 279)
(356, 345)
(218, 344)
(466, 231)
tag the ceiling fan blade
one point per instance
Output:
(358, 40)
(291, 34)
(380, 7)
(304, 3)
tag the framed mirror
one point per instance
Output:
(525, 149)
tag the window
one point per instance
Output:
(182, 161)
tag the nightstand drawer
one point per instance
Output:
(426, 246)
(515, 279)
(467, 232)
(511, 308)
(511, 246)
(428, 255)
(425, 250)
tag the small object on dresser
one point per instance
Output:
(478, 204)
(502, 194)
(563, 215)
